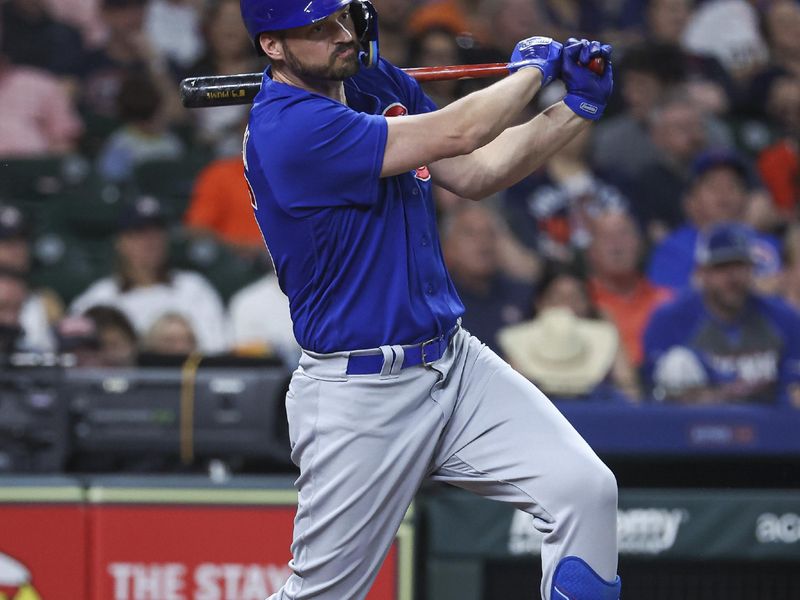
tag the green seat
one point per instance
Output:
(66, 266)
(171, 181)
(28, 178)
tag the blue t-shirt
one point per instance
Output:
(761, 349)
(358, 255)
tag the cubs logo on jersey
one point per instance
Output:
(395, 109)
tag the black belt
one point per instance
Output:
(424, 353)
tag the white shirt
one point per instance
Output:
(174, 29)
(37, 335)
(729, 31)
(188, 294)
(259, 313)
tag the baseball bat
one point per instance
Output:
(228, 90)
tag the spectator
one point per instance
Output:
(77, 336)
(144, 288)
(678, 133)
(708, 84)
(782, 24)
(790, 286)
(718, 193)
(170, 335)
(118, 343)
(578, 340)
(565, 356)
(616, 286)
(126, 49)
(779, 163)
(471, 251)
(647, 73)
(723, 342)
(42, 308)
(82, 14)
(144, 137)
(26, 24)
(618, 23)
(729, 31)
(393, 29)
(173, 27)
(464, 18)
(221, 206)
(13, 291)
(37, 118)
(551, 210)
(512, 20)
(229, 51)
(261, 322)
(436, 47)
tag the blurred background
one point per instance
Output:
(647, 278)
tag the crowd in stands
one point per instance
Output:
(655, 258)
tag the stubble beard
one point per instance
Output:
(338, 68)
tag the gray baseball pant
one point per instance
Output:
(364, 444)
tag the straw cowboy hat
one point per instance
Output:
(560, 352)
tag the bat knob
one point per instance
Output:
(597, 65)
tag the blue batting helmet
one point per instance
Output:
(274, 15)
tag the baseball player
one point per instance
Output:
(340, 153)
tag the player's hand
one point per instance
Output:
(587, 92)
(540, 52)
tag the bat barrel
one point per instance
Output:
(216, 90)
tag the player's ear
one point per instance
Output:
(272, 45)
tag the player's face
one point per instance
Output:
(327, 49)
(727, 286)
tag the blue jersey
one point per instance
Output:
(358, 255)
(760, 350)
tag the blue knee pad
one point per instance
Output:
(575, 580)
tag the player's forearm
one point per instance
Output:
(519, 151)
(459, 128)
(482, 116)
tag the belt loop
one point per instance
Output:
(388, 361)
(400, 355)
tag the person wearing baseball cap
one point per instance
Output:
(42, 307)
(724, 342)
(721, 190)
(144, 287)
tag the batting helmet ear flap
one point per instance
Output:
(365, 19)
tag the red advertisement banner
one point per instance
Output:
(163, 552)
(43, 552)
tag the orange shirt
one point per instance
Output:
(629, 312)
(221, 203)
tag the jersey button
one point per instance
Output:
(415, 191)
(429, 289)
(425, 240)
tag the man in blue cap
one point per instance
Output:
(723, 342)
(718, 193)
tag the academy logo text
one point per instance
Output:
(639, 531)
(649, 530)
(208, 581)
(778, 529)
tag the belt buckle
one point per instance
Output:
(425, 363)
